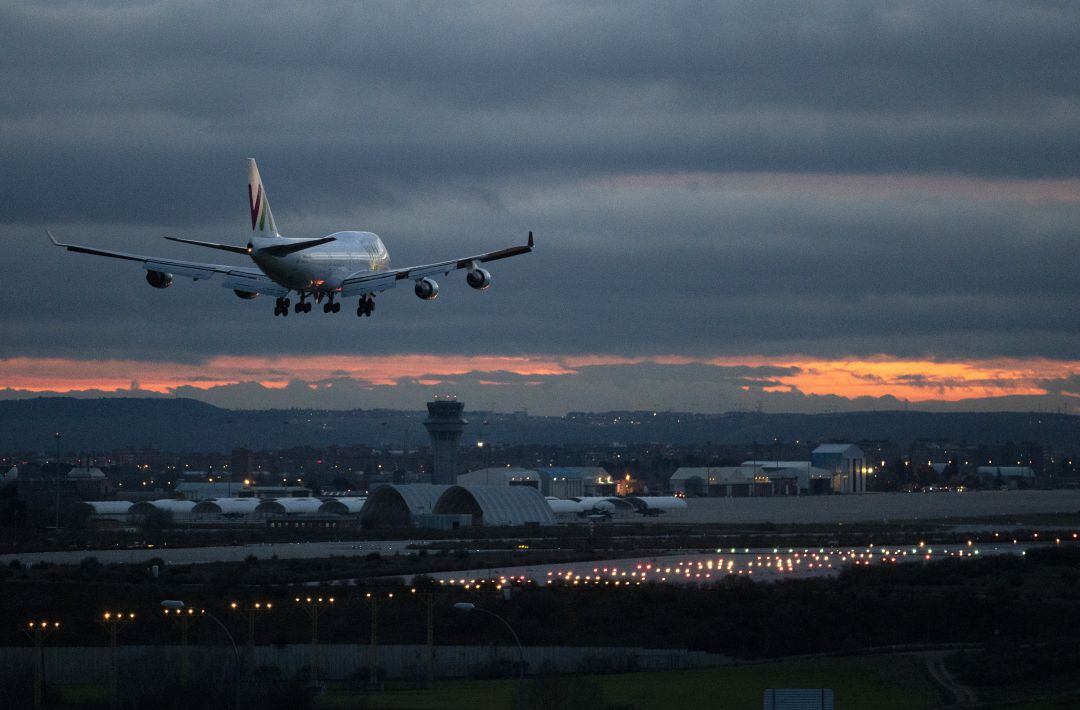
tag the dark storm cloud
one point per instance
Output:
(745, 275)
(1069, 386)
(103, 101)
(446, 127)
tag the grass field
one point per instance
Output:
(878, 682)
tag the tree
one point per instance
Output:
(154, 523)
(694, 487)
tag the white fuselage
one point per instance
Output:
(321, 269)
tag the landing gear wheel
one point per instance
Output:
(335, 307)
(307, 308)
(298, 308)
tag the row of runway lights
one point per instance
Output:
(777, 563)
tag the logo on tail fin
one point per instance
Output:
(258, 211)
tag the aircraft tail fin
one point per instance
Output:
(262, 219)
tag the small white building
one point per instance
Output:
(846, 463)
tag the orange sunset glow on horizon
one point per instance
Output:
(913, 380)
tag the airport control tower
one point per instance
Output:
(445, 424)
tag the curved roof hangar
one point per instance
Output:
(496, 505)
(397, 505)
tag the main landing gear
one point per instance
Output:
(366, 305)
(302, 306)
(282, 305)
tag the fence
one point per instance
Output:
(88, 664)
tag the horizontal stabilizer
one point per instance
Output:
(211, 245)
(294, 246)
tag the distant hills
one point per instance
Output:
(188, 425)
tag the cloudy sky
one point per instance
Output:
(793, 206)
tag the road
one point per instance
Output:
(963, 696)
(223, 553)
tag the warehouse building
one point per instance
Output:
(794, 477)
(579, 481)
(1010, 476)
(720, 481)
(507, 476)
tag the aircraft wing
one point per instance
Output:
(370, 282)
(236, 277)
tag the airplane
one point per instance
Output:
(334, 267)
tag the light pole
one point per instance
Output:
(37, 631)
(312, 605)
(468, 606)
(56, 439)
(112, 622)
(251, 612)
(429, 602)
(372, 602)
(185, 614)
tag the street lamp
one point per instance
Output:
(185, 613)
(469, 606)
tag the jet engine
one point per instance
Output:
(426, 289)
(246, 295)
(478, 278)
(159, 279)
